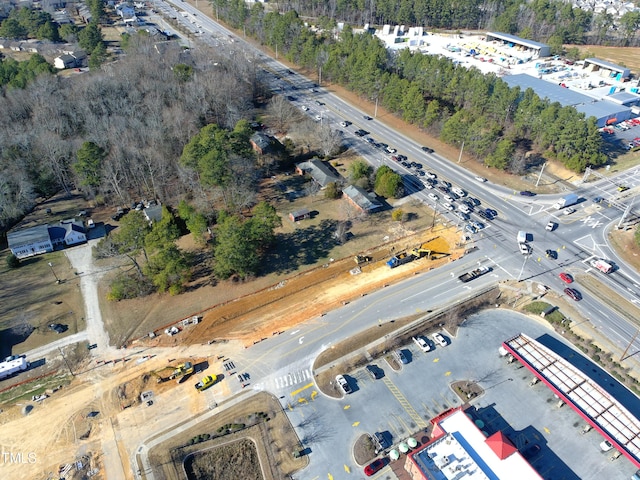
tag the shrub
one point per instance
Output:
(12, 261)
(397, 215)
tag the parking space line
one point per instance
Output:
(404, 403)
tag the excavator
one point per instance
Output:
(170, 372)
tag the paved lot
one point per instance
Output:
(403, 402)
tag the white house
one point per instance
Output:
(64, 61)
(30, 241)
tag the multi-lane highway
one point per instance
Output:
(283, 363)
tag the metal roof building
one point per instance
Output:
(605, 112)
(540, 49)
(607, 69)
(589, 395)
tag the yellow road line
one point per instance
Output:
(295, 392)
(404, 403)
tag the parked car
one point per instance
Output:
(382, 439)
(448, 206)
(422, 343)
(432, 175)
(439, 339)
(573, 293)
(470, 228)
(569, 211)
(402, 358)
(374, 467)
(343, 384)
(605, 446)
(374, 371)
(566, 278)
(433, 197)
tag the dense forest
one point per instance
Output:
(501, 126)
(552, 21)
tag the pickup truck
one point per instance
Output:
(473, 274)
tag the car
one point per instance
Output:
(491, 213)
(418, 166)
(598, 200)
(345, 124)
(568, 211)
(439, 339)
(427, 185)
(525, 248)
(370, 140)
(395, 158)
(446, 184)
(374, 371)
(605, 446)
(291, 98)
(566, 278)
(382, 439)
(470, 228)
(527, 193)
(478, 225)
(551, 226)
(449, 198)
(432, 175)
(402, 158)
(319, 103)
(622, 188)
(391, 150)
(531, 451)
(462, 216)
(473, 200)
(402, 358)
(343, 384)
(458, 191)
(481, 179)
(367, 117)
(318, 117)
(422, 343)
(58, 327)
(420, 173)
(405, 164)
(551, 254)
(573, 293)
(361, 133)
(304, 108)
(427, 149)
(442, 188)
(433, 197)
(448, 206)
(374, 467)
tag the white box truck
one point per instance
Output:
(566, 201)
(14, 366)
(522, 237)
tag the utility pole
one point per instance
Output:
(624, 354)
(375, 113)
(541, 170)
(461, 149)
(526, 257)
(54, 273)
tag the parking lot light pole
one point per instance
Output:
(54, 273)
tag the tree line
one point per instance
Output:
(499, 125)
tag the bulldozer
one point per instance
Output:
(360, 259)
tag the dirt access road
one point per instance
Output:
(64, 429)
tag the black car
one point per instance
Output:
(367, 117)
(374, 371)
(552, 254)
(291, 98)
(573, 293)
(427, 149)
(402, 157)
(58, 327)
(360, 133)
(527, 193)
(443, 188)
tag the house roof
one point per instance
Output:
(153, 214)
(57, 233)
(361, 198)
(26, 236)
(300, 213)
(261, 140)
(319, 171)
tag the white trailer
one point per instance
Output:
(601, 265)
(14, 366)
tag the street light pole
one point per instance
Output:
(526, 257)
(54, 273)
(461, 149)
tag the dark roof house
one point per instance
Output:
(260, 142)
(321, 173)
(153, 213)
(30, 241)
(360, 199)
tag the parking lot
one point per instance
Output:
(402, 403)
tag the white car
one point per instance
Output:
(569, 211)
(318, 118)
(449, 198)
(427, 185)
(304, 108)
(422, 343)
(343, 384)
(433, 197)
(448, 206)
(481, 179)
(439, 339)
(391, 150)
(551, 226)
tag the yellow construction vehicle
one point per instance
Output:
(360, 259)
(182, 372)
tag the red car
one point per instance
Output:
(373, 467)
(566, 278)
